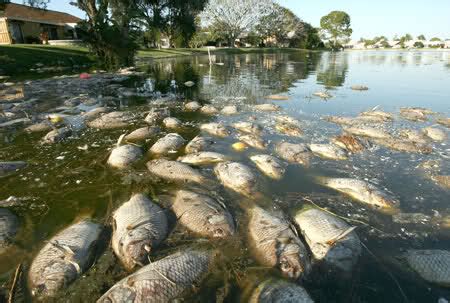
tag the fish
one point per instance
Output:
(64, 258)
(57, 135)
(143, 133)
(414, 114)
(267, 107)
(165, 145)
(442, 180)
(413, 136)
(279, 291)
(216, 129)
(139, 227)
(435, 134)
(277, 97)
(229, 110)
(44, 126)
(270, 166)
(253, 141)
(368, 131)
(156, 115)
(444, 121)
(111, 120)
(350, 143)
(248, 127)
(12, 166)
(192, 106)
(329, 238)
(174, 171)
(94, 113)
(404, 146)
(198, 144)
(328, 151)
(289, 129)
(287, 120)
(209, 109)
(171, 122)
(384, 116)
(294, 153)
(162, 281)
(432, 265)
(202, 215)
(123, 156)
(359, 87)
(237, 177)
(274, 243)
(9, 226)
(323, 95)
(203, 158)
(361, 191)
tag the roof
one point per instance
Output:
(26, 13)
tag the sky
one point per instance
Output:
(369, 17)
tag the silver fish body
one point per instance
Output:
(328, 151)
(275, 244)
(229, 110)
(209, 110)
(368, 131)
(287, 120)
(248, 127)
(289, 129)
(404, 146)
(171, 122)
(432, 265)
(279, 291)
(174, 171)
(270, 166)
(170, 142)
(267, 107)
(202, 215)
(203, 158)
(123, 156)
(9, 225)
(57, 135)
(139, 226)
(161, 281)
(63, 259)
(349, 143)
(237, 177)
(192, 106)
(156, 115)
(112, 120)
(384, 116)
(142, 134)
(329, 238)
(294, 153)
(435, 134)
(254, 141)
(198, 144)
(215, 129)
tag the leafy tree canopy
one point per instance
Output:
(336, 26)
(421, 37)
(37, 3)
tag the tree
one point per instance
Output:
(37, 3)
(235, 17)
(336, 26)
(418, 44)
(407, 37)
(435, 39)
(421, 38)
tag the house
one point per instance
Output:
(25, 24)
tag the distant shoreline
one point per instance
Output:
(399, 49)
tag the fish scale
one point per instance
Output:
(237, 177)
(432, 265)
(279, 291)
(137, 222)
(160, 281)
(174, 171)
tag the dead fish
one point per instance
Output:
(361, 191)
(442, 180)
(237, 177)
(192, 106)
(253, 141)
(168, 143)
(267, 107)
(323, 95)
(287, 120)
(404, 146)
(174, 171)
(63, 259)
(340, 120)
(277, 97)
(349, 143)
(11, 166)
(270, 166)
(171, 122)
(289, 129)
(198, 144)
(9, 225)
(413, 114)
(384, 116)
(209, 110)
(444, 121)
(279, 291)
(275, 244)
(156, 115)
(435, 134)
(44, 126)
(142, 134)
(202, 215)
(216, 129)
(248, 127)
(432, 265)
(162, 281)
(328, 151)
(139, 226)
(367, 131)
(359, 87)
(413, 136)
(229, 110)
(112, 120)
(329, 238)
(203, 158)
(94, 113)
(294, 153)
(123, 156)
(57, 135)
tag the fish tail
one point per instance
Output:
(321, 180)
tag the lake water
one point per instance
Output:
(63, 182)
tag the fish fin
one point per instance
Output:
(342, 235)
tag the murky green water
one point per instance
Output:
(63, 182)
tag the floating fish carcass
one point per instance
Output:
(229, 110)
(287, 120)
(404, 146)
(63, 259)
(254, 141)
(275, 244)
(170, 143)
(9, 225)
(198, 144)
(203, 158)
(384, 116)
(112, 120)
(57, 135)
(216, 129)
(202, 215)
(432, 265)
(359, 87)
(163, 280)
(174, 171)
(328, 151)
(414, 114)
(248, 127)
(323, 95)
(350, 143)
(413, 135)
(444, 121)
(279, 291)
(192, 106)
(124, 156)
(435, 134)
(44, 126)
(277, 97)
(237, 177)
(209, 109)
(267, 107)
(329, 238)
(171, 122)
(156, 115)
(294, 153)
(368, 131)
(289, 129)
(442, 180)
(270, 166)
(139, 226)
(142, 133)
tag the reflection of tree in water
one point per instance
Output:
(332, 70)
